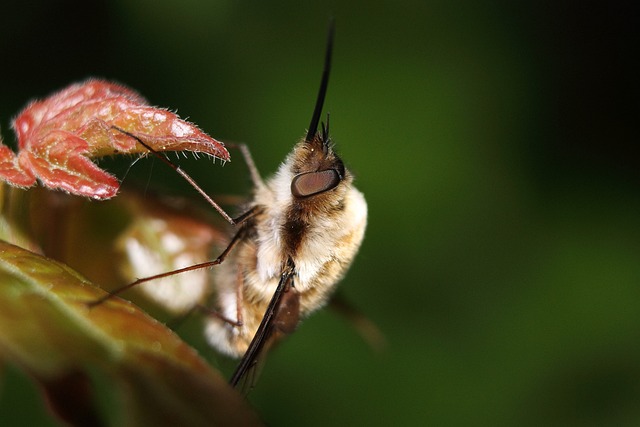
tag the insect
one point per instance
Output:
(293, 243)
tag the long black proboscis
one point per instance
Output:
(324, 83)
(251, 356)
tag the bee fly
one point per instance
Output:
(294, 242)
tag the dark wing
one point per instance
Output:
(363, 325)
(280, 319)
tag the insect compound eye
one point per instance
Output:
(310, 183)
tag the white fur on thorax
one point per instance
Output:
(319, 247)
(320, 239)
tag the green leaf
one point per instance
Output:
(47, 329)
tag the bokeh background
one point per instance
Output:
(496, 143)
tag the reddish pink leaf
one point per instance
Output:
(58, 137)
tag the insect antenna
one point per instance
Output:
(325, 133)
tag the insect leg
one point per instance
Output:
(248, 159)
(182, 173)
(215, 313)
(239, 297)
(238, 236)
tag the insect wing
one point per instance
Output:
(282, 309)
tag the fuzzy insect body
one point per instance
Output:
(317, 233)
(295, 241)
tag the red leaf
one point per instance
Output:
(58, 137)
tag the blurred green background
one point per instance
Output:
(496, 145)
